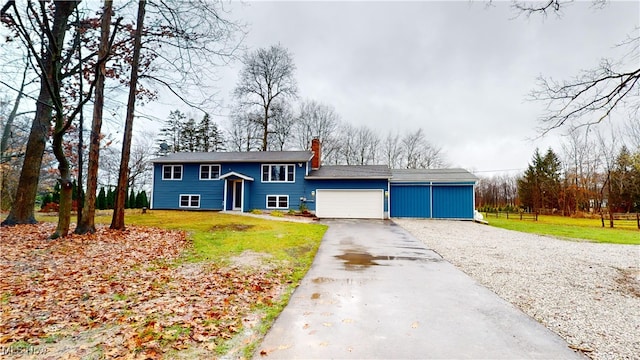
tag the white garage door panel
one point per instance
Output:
(350, 204)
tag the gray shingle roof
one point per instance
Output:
(351, 172)
(445, 175)
(245, 156)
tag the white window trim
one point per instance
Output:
(172, 166)
(189, 206)
(210, 166)
(278, 181)
(277, 202)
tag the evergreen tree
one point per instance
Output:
(188, 136)
(625, 182)
(541, 183)
(132, 200)
(101, 200)
(111, 197)
(141, 200)
(171, 133)
(145, 200)
(46, 199)
(56, 193)
(209, 136)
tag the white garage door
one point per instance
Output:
(350, 204)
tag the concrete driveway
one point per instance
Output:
(374, 291)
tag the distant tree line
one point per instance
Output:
(550, 185)
(105, 199)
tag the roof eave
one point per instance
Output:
(346, 178)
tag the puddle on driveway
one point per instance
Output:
(358, 260)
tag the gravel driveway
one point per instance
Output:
(587, 293)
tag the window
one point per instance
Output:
(189, 201)
(278, 173)
(171, 172)
(209, 172)
(277, 201)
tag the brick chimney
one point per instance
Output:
(315, 148)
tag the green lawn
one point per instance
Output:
(217, 236)
(570, 228)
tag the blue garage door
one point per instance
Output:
(453, 202)
(410, 201)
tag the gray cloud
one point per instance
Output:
(459, 70)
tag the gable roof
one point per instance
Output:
(233, 174)
(350, 172)
(236, 156)
(435, 175)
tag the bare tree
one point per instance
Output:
(139, 162)
(317, 120)
(366, 144)
(593, 95)
(581, 165)
(48, 63)
(282, 120)
(392, 149)
(117, 221)
(243, 133)
(419, 153)
(86, 222)
(632, 131)
(267, 76)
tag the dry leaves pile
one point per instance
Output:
(119, 294)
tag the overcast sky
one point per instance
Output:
(459, 70)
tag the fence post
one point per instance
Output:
(638, 219)
(602, 218)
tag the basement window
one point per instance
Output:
(189, 201)
(277, 201)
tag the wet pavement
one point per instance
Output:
(374, 291)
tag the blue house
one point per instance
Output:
(294, 180)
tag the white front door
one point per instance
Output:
(237, 195)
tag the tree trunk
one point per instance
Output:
(265, 133)
(117, 221)
(22, 210)
(87, 222)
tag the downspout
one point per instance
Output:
(153, 186)
(388, 199)
(430, 199)
(473, 214)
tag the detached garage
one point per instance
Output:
(432, 194)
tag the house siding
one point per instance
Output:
(405, 197)
(410, 200)
(437, 200)
(453, 202)
(166, 193)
